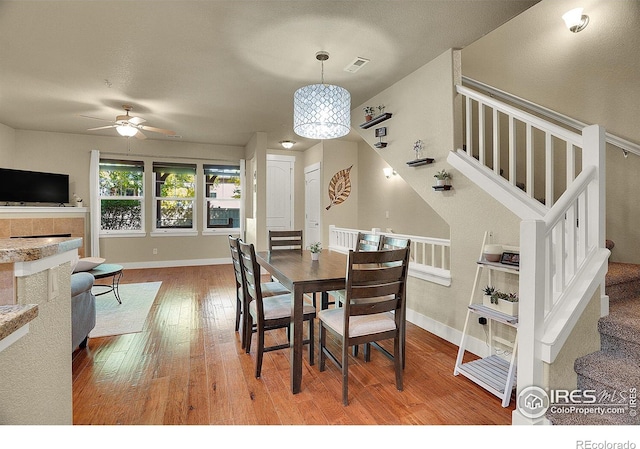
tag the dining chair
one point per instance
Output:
(388, 242)
(267, 288)
(268, 313)
(373, 309)
(364, 242)
(287, 240)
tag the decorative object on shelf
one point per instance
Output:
(339, 187)
(380, 109)
(77, 200)
(492, 253)
(316, 249)
(509, 258)
(375, 120)
(417, 149)
(389, 172)
(506, 303)
(442, 178)
(368, 113)
(322, 111)
(380, 133)
(419, 160)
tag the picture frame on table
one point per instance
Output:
(509, 258)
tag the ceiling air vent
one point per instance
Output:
(356, 65)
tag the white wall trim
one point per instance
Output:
(473, 344)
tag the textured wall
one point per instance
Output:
(35, 372)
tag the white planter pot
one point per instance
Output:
(315, 256)
(442, 182)
(506, 307)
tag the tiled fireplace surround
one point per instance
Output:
(36, 224)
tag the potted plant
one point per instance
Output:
(506, 303)
(78, 200)
(316, 249)
(368, 112)
(380, 109)
(442, 178)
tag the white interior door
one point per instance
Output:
(312, 184)
(280, 192)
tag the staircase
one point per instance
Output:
(615, 369)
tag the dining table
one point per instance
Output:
(300, 274)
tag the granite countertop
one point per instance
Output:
(13, 317)
(29, 249)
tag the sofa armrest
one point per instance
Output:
(81, 282)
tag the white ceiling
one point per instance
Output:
(215, 71)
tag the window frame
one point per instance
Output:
(141, 198)
(206, 230)
(173, 168)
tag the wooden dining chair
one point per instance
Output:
(373, 309)
(285, 240)
(364, 242)
(267, 288)
(268, 313)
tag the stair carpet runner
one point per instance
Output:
(615, 369)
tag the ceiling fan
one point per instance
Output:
(128, 125)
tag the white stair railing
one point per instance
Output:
(562, 256)
(430, 257)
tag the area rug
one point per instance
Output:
(126, 318)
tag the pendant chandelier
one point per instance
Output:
(322, 111)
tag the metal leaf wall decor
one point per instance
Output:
(339, 187)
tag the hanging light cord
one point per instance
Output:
(322, 56)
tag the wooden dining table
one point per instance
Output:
(298, 273)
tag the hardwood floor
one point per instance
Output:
(186, 367)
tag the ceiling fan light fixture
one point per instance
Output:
(126, 130)
(322, 111)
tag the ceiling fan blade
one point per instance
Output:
(101, 127)
(136, 120)
(140, 136)
(96, 118)
(158, 130)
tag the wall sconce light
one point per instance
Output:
(287, 144)
(389, 172)
(575, 20)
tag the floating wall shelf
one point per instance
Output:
(378, 119)
(442, 187)
(418, 162)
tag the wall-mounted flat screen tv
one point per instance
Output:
(20, 186)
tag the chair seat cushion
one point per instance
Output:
(276, 307)
(358, 325)
(273, 289)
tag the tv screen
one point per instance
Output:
(22, 186)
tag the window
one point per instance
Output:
(174, 196)
(223, 197)
(121, 196)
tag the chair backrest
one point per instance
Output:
(394, 242)
(376, 282)
(285, 240)
(368, 242)
(235, 257)
(251, 275)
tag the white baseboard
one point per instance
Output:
(176, 263)
(473, 345)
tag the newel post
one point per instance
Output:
(531, 310)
